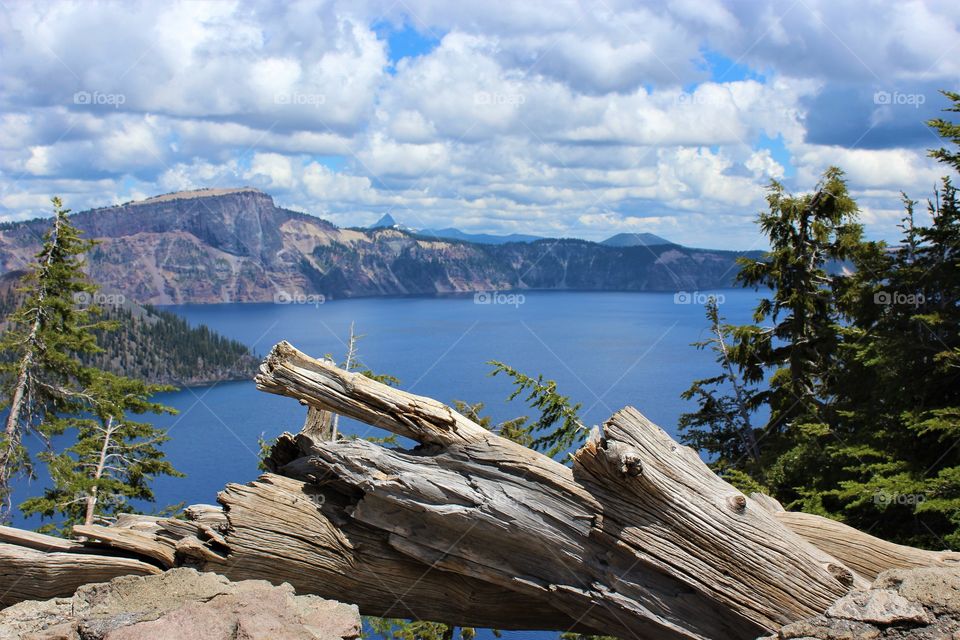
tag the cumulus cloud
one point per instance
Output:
(556, 119)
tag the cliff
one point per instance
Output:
(235, 245)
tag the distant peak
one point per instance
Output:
(635, 240)
(385, 221)
(197, 193)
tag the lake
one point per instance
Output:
(605, 350)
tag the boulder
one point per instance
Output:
(181, 603)
(919, 604)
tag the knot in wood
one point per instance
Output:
(737, 503)
(843, 575)
(630, 465)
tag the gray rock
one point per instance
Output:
(901, 604)
(181, 603)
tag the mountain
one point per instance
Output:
(634, 240)
(236, 245)
(386, 221)
(155, 345)
(478, 238)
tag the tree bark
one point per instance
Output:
(638, 539)
(91, 499)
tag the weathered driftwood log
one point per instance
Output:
(39, 567)
(638, 539)
(867, 555)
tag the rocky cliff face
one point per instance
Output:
(235, 245)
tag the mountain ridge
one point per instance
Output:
(236, 245)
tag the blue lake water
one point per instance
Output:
(605, 350)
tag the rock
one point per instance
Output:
(878, 606)
(919, 604)
(181, 603)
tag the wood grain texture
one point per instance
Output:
(638, 539)
(31, 574)
(865, 554)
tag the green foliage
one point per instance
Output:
(950, 131)
(113, 460)
(860, 372)
(398, 629)
(516, 430)
(40, 370)
(558, 428)
(722, 425)
(161, 347)
(50, 386)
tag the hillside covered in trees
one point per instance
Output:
(155, 345)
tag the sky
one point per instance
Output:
(563, 119)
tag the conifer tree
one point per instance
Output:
(40, 371)
(113, 459)
(723, 424)
(863, 369)
(558, 427)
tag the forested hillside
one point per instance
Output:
(155, 345)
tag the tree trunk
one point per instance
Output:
(98, 472)
(638, 539)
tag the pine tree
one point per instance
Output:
(723, 424)
(113, 460)
(898, 387)
(863, 369)
(794, 355)
(950, 131)
(40, 371)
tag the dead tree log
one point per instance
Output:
(865, 554)
(38, 567)
(638, 539)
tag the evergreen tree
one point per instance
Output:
(793, 355)
(113, 460)
(864, 369)
(40, 372)
(950, 131)
(898, 387)
(723, 424)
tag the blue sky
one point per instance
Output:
(577, 119)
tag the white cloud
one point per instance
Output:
(553, 119)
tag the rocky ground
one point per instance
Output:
(181, 604)
(919, 604)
